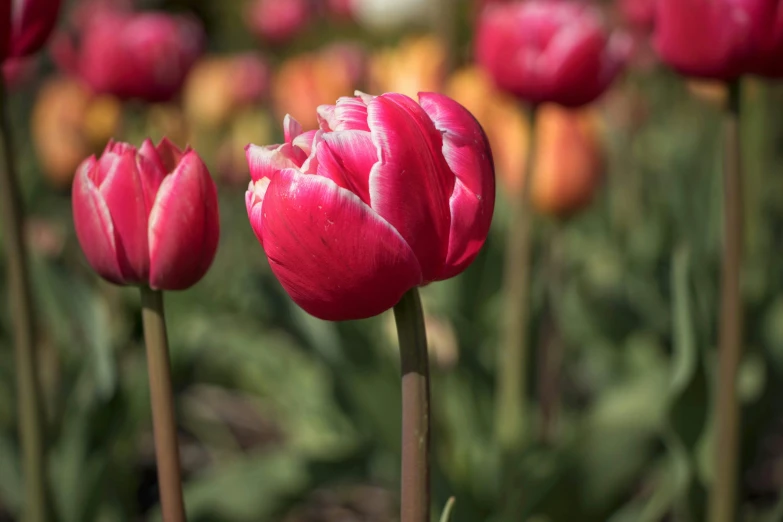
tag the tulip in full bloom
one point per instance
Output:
(147, 216)
(144, 56)
(389, 194)
(26, 25)
(550, 50)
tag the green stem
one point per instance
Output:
(511, 410)
(415, 483)
(31, 432)
(723, 496)
(163, 420)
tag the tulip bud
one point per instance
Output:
(389, 194)
(26, 25)
(550, 50)
(147, 216)
(564, 184)
(143, 56)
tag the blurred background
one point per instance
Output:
(283, 417)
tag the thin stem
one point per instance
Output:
(511, 410)
(31, 432)
(415, 486)
(723, 496)
(163, 421)
(550, 355)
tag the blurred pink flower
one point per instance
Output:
(144, 55)
(639, 14)
(721, 39)
(550, 51)
(18, 71)
(277, 20)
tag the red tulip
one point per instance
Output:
(26, 25)
(767, 59)
(147, 216)
(277, 21)
(549, 50)
(388, 195)
(144, 56)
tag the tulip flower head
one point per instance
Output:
(550, 50)
(26, 25)
(387, 195)
(147, 216)
(721, 39)
(277, 21)
(144, 56)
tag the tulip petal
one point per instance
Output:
(93, 224)
(467, 152)
(347, 157)
(254, 199)
(184, 226)
(335, 257)
(123, 192)
(350, 114)
(264, 162)
(169, 154)
(291, 128)
(411, 185)
(151, 172)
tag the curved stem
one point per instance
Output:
(511, 410)
(415, 484)
(31, 432)
(723, 496)
(163, 420)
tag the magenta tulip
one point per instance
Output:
(147, 216)
(26, 25)
(144, 56)
(276, 21)
(387, 195)
(549, 50)
(721, 39)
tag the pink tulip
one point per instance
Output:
(767, 59)
(277, 21)
(147, 216)
(387, 195)
(144, 56)
(706, 38)
(549, 50)
(27, 25)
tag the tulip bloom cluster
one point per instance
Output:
(25, 26)
(721, 39)
(147, 216)
(389, 194)
(549, 50)
(144, 56)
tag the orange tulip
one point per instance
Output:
(415, 65)
(309, 80)
(68, 124)
(568, 160)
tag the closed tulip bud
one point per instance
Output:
(550, 50)
(147, 216)
(389, 194)
(277, 21)
(144, 56)
(26, 25)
